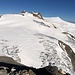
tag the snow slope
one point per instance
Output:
(36, 42)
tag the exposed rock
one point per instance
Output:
(0, 16)
(8, 66)
(69, 51)
(3, 72)
(23, 11)
(49, 70)
(31, 72)
(24, 72)
(8, 60)
(40, 16)
(69, 35)
(61, 72)
(52, 69)
(37, 15)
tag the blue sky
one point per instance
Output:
(64, 9)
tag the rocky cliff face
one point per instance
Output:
(11, 69)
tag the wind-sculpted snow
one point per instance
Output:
(38, 42)
(41, 23)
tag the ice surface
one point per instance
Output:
(34, 42)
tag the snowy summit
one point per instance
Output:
(37, 41)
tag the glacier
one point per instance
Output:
(38, 42)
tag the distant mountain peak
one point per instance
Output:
(38, 14)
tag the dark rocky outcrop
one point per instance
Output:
(0, 16)
(52, 69)
(37, 15)
(69, 35)
(69, 51)
(8, 60)
(11, 69)
(23, 11)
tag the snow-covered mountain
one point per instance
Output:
(37, 42)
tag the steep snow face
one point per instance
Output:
(38, 43)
